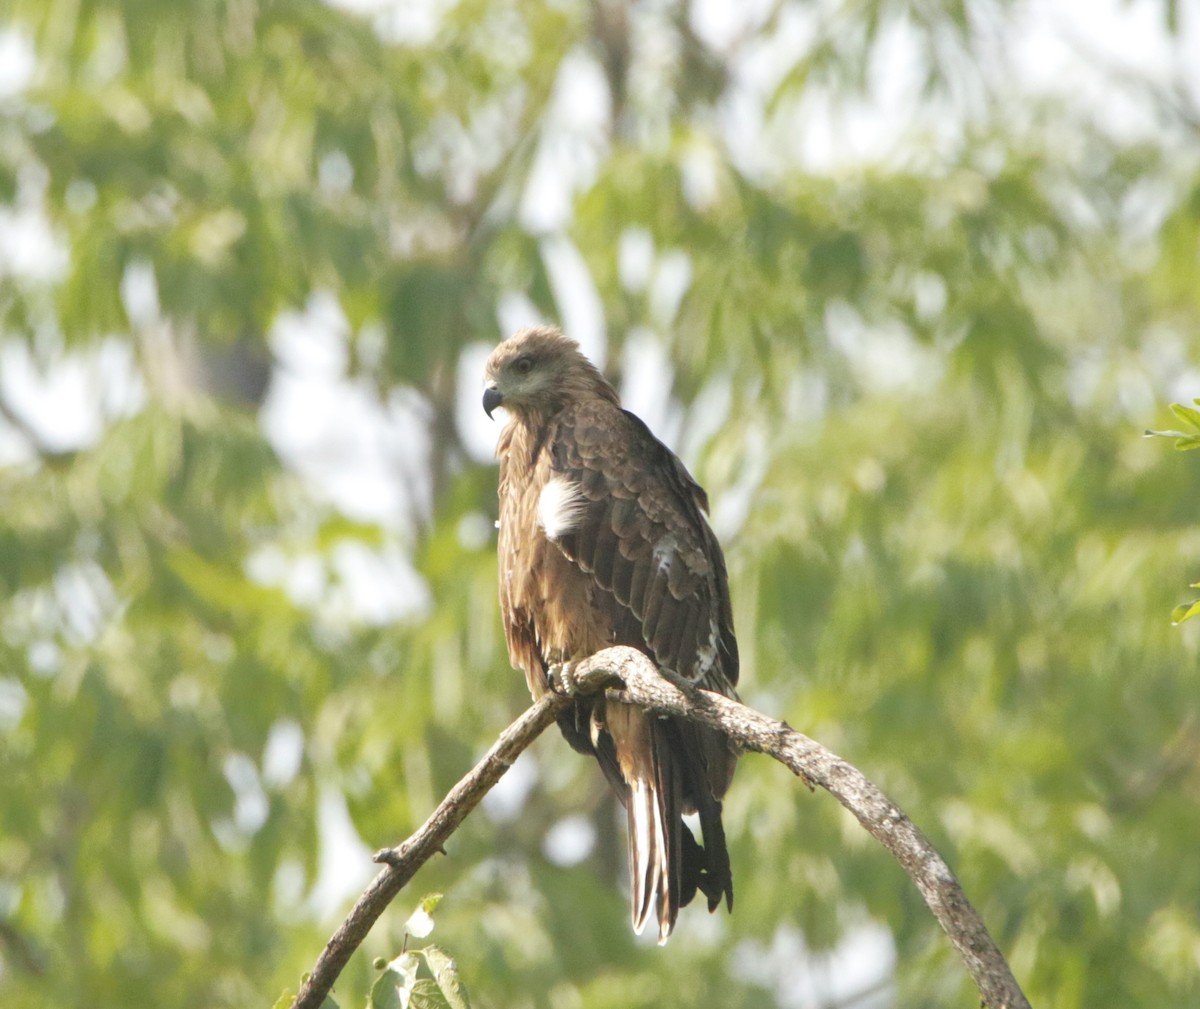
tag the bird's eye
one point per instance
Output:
(523, 365)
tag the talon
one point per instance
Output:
(562, 677)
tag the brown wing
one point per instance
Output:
(641, 533)
(636, 525)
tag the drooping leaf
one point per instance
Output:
(1184, 612)
(391, 990)
(445, 974)
(1189, 415)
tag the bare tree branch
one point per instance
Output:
(643, 684)
(883, 819)
(403, 862)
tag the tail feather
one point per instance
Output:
(649, 858)
(705, 868)
(666, 864)
(669, 803)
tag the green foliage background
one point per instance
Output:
(955, 567)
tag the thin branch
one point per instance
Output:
(403, 862)
(883, 819)
(644, 685)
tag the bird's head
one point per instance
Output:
(538, 370)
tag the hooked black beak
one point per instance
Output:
(491, 399)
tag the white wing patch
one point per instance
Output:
(664, 552)
(706, 654)
(560, 507)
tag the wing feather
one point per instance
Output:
(583, 550)
(644, 539)
(684, 646)
(656, 592)
(605, 554)
(624, 517)
(639, 582)
(622, 579)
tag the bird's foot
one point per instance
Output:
(562, 678)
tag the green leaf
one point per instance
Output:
(1185, 611)
(385, 992)
(420, 922)
(427, 995)
(1187, 414)
(445, 973)
(1183, 442)
(284, 1000)
(430, 902)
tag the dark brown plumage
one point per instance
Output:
(603, 541)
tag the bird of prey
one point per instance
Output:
(604, 541)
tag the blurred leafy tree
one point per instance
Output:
(911, 379)
(1184, 442)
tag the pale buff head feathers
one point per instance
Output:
(536, 371)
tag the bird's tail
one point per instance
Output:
(666, 864)
(649, 861)
(653, 804)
